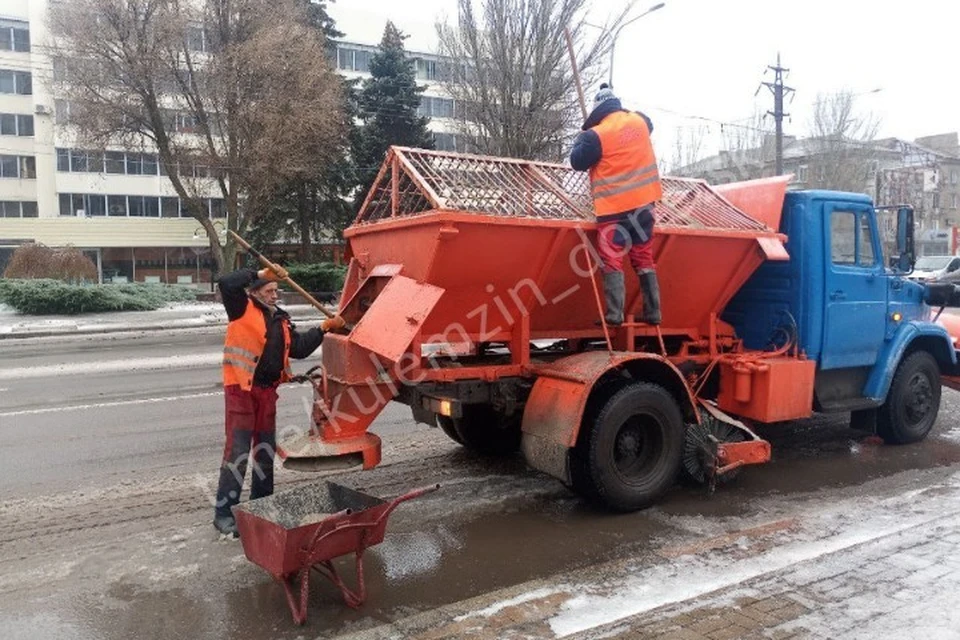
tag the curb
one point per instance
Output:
(94, 330)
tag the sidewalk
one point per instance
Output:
(173, 317)
(872, 561)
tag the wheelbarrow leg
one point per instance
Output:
(352, 598)
(298, 610)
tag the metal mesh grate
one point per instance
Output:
(693, 204)
(434, 180)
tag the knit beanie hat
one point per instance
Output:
(605, 93)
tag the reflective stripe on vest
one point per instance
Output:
(244, 344)
(626, 177)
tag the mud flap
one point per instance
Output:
(554, 410)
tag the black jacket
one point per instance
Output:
(270, 365)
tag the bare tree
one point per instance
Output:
(237, 97)
(688, 146)
(747, 147)
(511, 78)
(842, 152)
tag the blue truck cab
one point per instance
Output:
(879, 352)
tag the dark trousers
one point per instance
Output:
(250, 426)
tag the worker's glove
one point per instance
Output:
(333, 324)
(270, 274)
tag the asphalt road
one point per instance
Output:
(80, 412)
(110, 447)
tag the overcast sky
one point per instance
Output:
(696, 63)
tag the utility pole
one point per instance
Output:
(780, 91)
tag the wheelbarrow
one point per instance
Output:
(294, 531)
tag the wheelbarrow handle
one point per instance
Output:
(317, 534)
(410, 495)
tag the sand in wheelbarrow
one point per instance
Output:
(309, 504)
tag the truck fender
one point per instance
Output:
(555, 407)
(911, 336)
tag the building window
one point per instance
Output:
(24, 167)
(14, 209)
(71, 204)
(116, 205)
(432, 107)
(170, 207)
(444, 141)
(426, 69)
(12, 124)
(197, 39)
(344, 58)
(14, 36)
(113, 162)
(17, 82)
(349, 59)
(802, 173)
(116, 162)
(361, 60)
(134, 164)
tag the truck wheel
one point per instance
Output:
(483, 430)
(446, 425)
(632, 453)
(913, 401)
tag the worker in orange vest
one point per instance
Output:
(260, 341)
(614, 146)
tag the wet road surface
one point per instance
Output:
(104, 505)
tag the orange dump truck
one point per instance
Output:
(472, 297)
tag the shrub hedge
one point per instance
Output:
(317, 277)
(47, 297)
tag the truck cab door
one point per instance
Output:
(855, 289)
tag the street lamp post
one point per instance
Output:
(616, 34)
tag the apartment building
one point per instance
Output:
(117, 206)
(353, 61)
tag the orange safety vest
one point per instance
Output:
(626, 177)
(246, 338)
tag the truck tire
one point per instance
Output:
(632, 452)
(912, 402)
(446, 425)
(485, 431)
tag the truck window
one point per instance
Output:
(843, 237)
(851, 241)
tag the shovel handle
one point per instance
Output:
(273, 267)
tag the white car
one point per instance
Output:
(936, 268)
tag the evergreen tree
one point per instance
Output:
(388, 104)
(317, 16)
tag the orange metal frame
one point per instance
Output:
(419, 197)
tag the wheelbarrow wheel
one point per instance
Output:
(632, 450)
(487, 432)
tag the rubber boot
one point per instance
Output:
(650, 289)
(613, 292)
